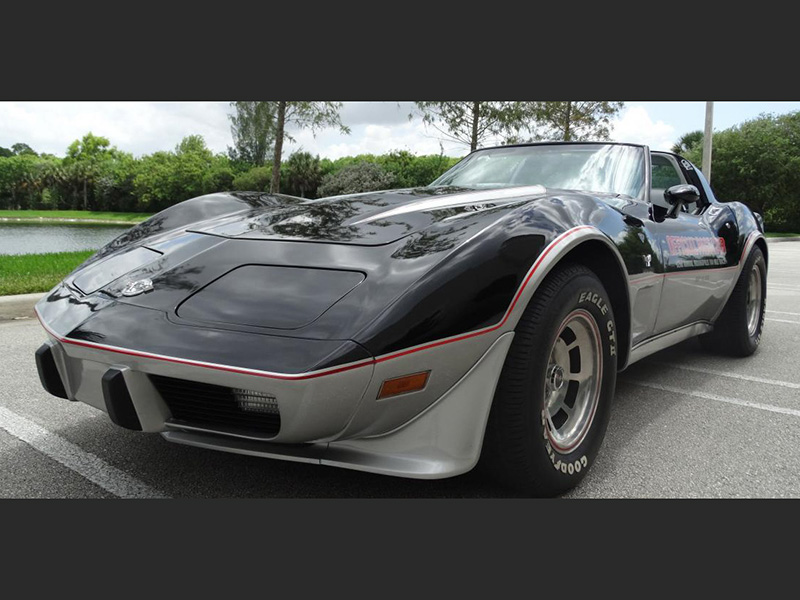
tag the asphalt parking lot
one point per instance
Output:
(684, 424)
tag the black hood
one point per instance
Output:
(384, 270)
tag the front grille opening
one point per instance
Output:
(234, 411)
(255, 402)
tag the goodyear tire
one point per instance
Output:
(553, 399)
(738, 329)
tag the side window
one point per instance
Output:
(665, 174)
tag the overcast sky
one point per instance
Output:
(377, 127)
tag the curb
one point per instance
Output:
(18, 307)
(775, 240)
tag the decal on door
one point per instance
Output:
(691, 251)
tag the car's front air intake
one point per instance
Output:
(216, 408)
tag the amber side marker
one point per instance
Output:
(403, 385)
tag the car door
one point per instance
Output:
(698, 247)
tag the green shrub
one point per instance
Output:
(758, 163)
(256, 179)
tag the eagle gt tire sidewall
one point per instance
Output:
(571, 288)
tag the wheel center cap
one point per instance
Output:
(555, 377)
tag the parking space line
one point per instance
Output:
(673, 390)
(786, 384)
(74, 458)
(782, 320)
(783, 312)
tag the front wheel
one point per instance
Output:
(552, 402)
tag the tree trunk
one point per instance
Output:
(566, 122)
(85, 200)
(275, 186)
(475, 113)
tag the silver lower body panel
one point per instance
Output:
(667, 339)
(335, 420)
(443, 441)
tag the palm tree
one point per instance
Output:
(304, 173)
(688, 141)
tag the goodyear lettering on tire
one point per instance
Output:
(567, 468)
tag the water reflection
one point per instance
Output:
(24, 238)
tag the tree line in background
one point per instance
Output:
(756, 162)
(94, 175)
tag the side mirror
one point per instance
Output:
(678, 195)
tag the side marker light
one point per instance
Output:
(403, 385)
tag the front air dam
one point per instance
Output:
(443, 441)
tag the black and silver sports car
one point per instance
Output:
(412, 332)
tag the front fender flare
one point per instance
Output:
(553, 254)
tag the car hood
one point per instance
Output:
(174, 239)
(373, 218)
(384, 270)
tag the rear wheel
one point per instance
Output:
(552, 403)
(738, 329)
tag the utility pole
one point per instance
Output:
(709, 133)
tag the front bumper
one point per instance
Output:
(442, 441)
(328, 417)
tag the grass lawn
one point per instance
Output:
(29, 273)
(70, 215)
(780, 234)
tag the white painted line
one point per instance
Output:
(783, 312)
(71, 456)
(705, 396)
(782, 321)
(786, 384)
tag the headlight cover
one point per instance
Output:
(98, 275)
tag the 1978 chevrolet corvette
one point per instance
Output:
(416, 331)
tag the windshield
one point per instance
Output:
(603, 168)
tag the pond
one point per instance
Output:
(25, 238)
